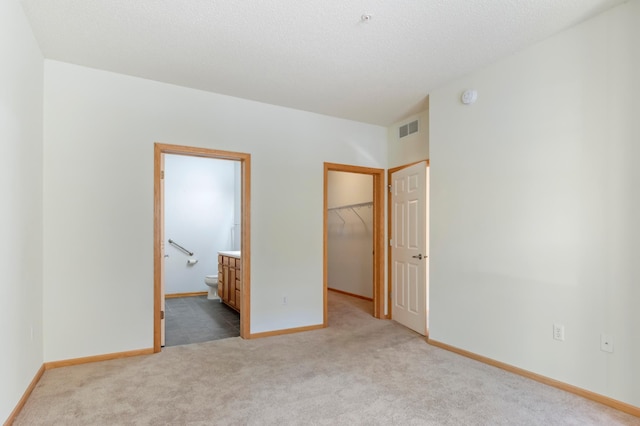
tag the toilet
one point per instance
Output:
(212, 282)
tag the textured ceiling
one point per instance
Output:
(313, 55)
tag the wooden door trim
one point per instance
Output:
(390, 232)
(245, 161)
(378, 234)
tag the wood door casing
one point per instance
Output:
(379, 300)
(158, 261)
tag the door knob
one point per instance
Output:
(419, 257)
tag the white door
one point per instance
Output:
(409, 247)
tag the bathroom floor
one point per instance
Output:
(197, 319)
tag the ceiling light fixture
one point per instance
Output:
(366, 17)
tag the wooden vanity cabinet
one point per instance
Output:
(229, 281)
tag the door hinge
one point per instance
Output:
(390, 242)
(389, 188)
(162, 174)
(161, 315)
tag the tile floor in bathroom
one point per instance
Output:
(196, 319)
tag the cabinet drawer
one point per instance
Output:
(220, 259)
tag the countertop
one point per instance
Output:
(235, 254)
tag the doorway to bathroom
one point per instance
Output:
(201, 205)
(354, 236)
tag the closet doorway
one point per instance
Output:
(354, 234)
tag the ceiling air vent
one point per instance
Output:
(408, 129)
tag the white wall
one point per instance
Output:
(535, 207)
(345, 188)
(21, 206)
(350, 233)
(98, 196)
(237, 206)
(411, 148)
(199, 215)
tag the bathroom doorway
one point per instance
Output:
(184, 258)
(201, 218)
(354, 234)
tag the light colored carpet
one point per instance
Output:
(358, 371)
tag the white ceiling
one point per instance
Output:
(313, 55)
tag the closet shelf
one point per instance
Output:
(353, 208)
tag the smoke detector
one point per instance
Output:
(469, 96)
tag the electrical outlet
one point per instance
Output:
(284, 300)
(558, 332)
(606, 343)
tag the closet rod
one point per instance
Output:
(353, 208)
